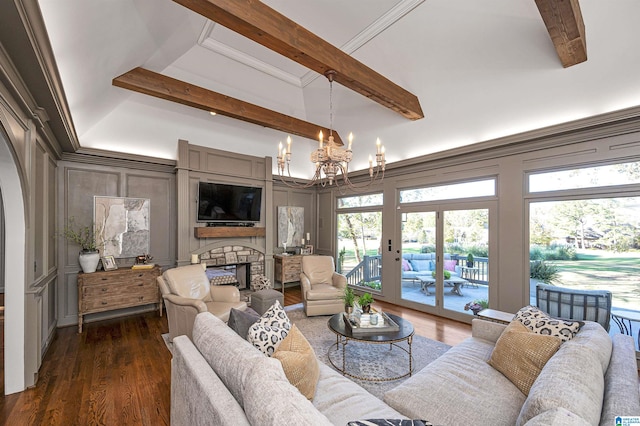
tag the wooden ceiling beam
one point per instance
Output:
(563, 20)
(262, 24)
(160, 86)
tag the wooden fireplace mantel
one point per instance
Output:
(228, 231)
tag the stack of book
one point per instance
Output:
(143, 266)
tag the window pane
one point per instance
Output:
(360, 201)
(481, 188)
(359, 254)
(588, 177)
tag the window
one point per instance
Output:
(479, 188)
(587, 177)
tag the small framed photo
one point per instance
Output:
(307, 250)
(109, 263)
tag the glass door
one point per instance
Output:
(457, 278)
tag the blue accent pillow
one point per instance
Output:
(420, 265)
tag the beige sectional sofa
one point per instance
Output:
(221, 379)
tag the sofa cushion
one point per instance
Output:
(458, 387)
(188, 281)
(342, 400)
(240, 321)
(299, 362)
(421, 265)
(542, 323)
(573, 378)
(319, 269)
(229, 355)
(622, 394)
(520, 354)
(324, 292)
(271, 400)
(558, 417)
(269, 331)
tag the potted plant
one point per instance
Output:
(349, 298)
(447, 274)
(476, 306)
(84, 236)
(365, 301)
(470, 260)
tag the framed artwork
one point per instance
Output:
(109, 263)
(290, 226)
(122, 225)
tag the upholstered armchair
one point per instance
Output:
(569, 303)
(322, 287)
(187, 292)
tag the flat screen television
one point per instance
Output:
(233, 204)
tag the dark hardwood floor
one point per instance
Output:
(118, 372)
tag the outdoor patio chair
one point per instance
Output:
(569, 303)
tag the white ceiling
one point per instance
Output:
(481, 70)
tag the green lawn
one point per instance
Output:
(617, 272)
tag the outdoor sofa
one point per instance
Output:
(221, 379)
(423, 264)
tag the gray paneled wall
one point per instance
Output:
(79, 182)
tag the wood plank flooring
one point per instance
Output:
(118, 372)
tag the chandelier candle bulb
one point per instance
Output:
(288, 144)
(350, 140)
(378, 146)
(321, 138)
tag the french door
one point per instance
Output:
(444, 258)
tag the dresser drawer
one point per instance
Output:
(118, 288)
(119, 301)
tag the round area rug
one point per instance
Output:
(364, 359)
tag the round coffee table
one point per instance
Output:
(344, 336)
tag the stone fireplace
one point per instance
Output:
(247, 262)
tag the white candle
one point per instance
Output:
(194, 258)
(302, 242)
(308, 237)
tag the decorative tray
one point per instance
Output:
(359, 323)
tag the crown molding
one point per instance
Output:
(369, 33)
(216, 46)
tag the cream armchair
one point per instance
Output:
(322, 287)
(187, 292)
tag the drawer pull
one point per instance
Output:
(104, 279)
(103, 302)
(140, 275)
(140, 285)
(141, 298)
(105, 289)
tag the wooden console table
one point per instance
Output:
(123, 288)
(287, 269)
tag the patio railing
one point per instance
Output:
(370, 268)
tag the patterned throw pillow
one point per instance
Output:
(299, 362)
(269, 331)
(520, 354)
(390, 422)
(540, 322)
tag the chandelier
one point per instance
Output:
(331, 160)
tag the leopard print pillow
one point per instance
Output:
(269, 331)
(540, 322)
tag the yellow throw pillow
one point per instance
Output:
(520, 354)
(299, 362)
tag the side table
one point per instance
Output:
(624, 318)
(495, 315)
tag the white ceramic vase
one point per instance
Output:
(89, 261)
